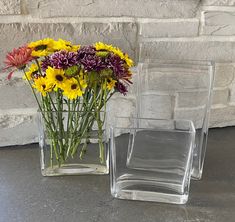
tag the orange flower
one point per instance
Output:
(18, 59)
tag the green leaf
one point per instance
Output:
(71, 71)
(102, 53)
(105, 73)
(93, 77)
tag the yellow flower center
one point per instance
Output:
(40, 47)
(59, 78)
(74, 86)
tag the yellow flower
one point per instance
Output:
(42, 47)
(42, 85)
(115, 50)
(101, 46)
(33, 69)
(128, 61)
(72, 89)
(83, 83)
(109, 84)
(56, 77)
(65, 45)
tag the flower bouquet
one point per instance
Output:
(72, 85)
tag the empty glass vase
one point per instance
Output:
(171, 89)
(151, 160)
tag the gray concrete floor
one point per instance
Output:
(26, 196)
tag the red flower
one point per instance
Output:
(18, 59)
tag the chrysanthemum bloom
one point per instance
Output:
(65, 45)
(46, 62)
(116, 64)
(32, 73)
(42, 47)
(101, 46)
(18, 59)
(119, 67)
(63, 59)
(120, 87)
(86, 50)
(92, 63)
(72, 89)
(42, 85)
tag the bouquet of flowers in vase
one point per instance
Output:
(71, 84)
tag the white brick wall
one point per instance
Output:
(170, 29)
(9, 7)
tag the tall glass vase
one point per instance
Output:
(171, 89)
(72, 143)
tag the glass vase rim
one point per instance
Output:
(187, 62)
(71, 111)
(190, 122)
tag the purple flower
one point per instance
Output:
(86, 50)
(120, 87)
(117, 65)
(92, 63)
(63, 59)
(45, 63)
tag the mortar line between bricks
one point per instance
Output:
(153, 20)
(30, 19)
(192, 39)
(218, 8)
(18, 111)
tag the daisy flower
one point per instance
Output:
(56, 77)
(32, 72)
(72, 89)
(65, 45)
(42, 85)
(42, 47)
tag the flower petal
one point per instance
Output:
(10, 75)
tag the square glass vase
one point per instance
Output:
(72, 143)
(178, 89)
(151, 160)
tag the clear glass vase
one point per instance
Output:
(151, 160)
(171, 89)
(73, 143)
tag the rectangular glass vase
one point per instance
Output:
(176, 89)
(151, 160)
(71, 143)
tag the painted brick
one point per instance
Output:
(157, 106)
(195, 114)
(192, 99)
(217, 49)
(218, 23)
(232, 93)
(219, 2)
(9, 7)
(224, 74)
(103, 8)
(221, 96)
(169, 28)
(15, 94)
(172, 79)
(18, 127)
(222, 116)
(123, 105)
